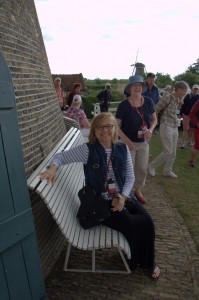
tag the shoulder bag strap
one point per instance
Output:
(97, 168)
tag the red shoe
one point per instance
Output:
(140, 198)
(192, 163)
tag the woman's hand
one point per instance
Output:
(49, 175)
(118, 203)
(148, 134)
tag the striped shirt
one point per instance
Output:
(80, 154)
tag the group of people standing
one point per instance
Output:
(74, 106)
(121, 147)
(136, 119)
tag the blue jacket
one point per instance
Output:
(118, 160)
(153, 93)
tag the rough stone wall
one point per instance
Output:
(21, 42)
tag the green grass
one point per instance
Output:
(184, 190)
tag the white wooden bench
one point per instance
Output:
(70, 123)
(63, 202)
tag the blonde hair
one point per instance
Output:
(98, 121)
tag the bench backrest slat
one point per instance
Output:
(70, 123)
(68, 140)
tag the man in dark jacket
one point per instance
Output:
(105, 98)
(151, 89)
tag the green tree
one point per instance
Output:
(162, 80)
(190, 77)
(194, 68)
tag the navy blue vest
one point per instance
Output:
(118, 160)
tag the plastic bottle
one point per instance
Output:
(146, 140)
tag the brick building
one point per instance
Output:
(22, 45)
(68, 81)
(40, 119)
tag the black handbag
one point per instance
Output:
(93, 209)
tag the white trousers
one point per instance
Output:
(169, 139)
(140, 158)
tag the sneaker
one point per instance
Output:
(190, 144)
(151, 170)
(182, 146)
(170, 174)
(192, 163)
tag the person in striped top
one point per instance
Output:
(116, 168)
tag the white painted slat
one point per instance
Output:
(72, 207)
(108, 237)
(86, 239)
(60, 195)
(71, 139)
(127, 249)
(33, 179)
(71, 226)
(81, 238)
(70, 123)
(102, 237)
(121, 240)
(97, 237)
(75, 238)
(91, 239)
(115, 238)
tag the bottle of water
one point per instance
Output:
(146, 140)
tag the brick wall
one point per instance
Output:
(40, 119)
(21, 42)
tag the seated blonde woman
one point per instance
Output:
(77, 113)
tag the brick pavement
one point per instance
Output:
(176, 255)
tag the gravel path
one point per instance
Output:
(176, 255)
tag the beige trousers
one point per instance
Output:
(140, 158)
(169, 139)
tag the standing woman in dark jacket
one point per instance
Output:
(75, 91)
(136, 118)
(127, 214)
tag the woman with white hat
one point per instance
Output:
(77, 113)
(136, 119)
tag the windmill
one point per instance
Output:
(139, 68)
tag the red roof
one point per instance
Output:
(68, 81)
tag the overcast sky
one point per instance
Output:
(101, 39)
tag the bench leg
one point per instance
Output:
(67, 257)
(124, 260)
(93, 269)
(93, 260)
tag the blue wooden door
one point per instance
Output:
(21, 277)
